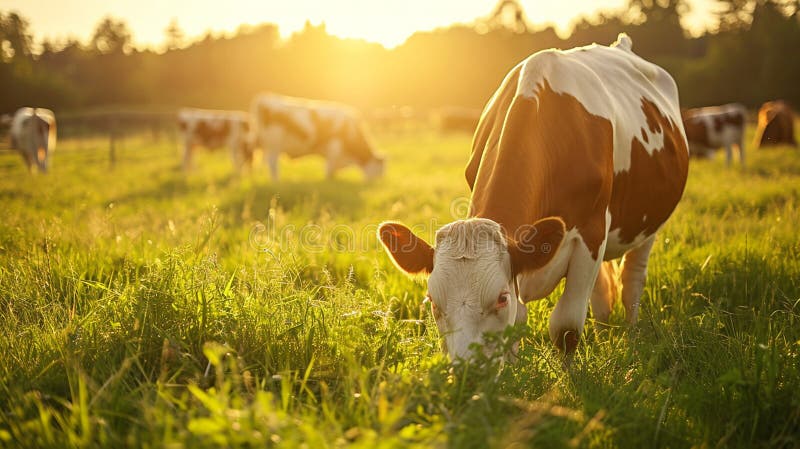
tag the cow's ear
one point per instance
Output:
(533, 246)
(409, 252)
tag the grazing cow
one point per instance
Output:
(713, 127)
(215, 129)
(775, 124)
(299, 127)
(33, 135)
(580, 157)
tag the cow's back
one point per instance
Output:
(303, 126)
(579, 133)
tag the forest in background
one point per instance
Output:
(752, 57)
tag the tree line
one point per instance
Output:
(751, 58)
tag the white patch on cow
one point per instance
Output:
(591, 74)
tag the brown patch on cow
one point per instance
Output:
(534, 246)
(728, 118)
(644, 136)
(212, 133)
(775, 124)
(487, 134)
(554, 159)
(645, 195)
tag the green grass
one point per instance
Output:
(143, 307)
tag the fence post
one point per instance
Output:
(112, 153)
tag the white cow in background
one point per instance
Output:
(33, 135)
(298, 127)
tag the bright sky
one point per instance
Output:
(388, 22)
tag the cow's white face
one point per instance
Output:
(471, 287)
(471, 283)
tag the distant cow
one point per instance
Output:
(710, 128)
(299, 127)
(579, 157)
(33, 135)
(455, 118)
(775, 124)
(214, 129)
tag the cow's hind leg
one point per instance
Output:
(633, 277)
(569, 314)
(740, 148)
(604, 292)
(729, 154)
(29, 160)
(272, 161)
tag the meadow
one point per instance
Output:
(144, 307)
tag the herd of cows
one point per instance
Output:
(579, 157)
(711, 128)
(283, 125)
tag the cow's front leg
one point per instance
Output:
(272, 161)
(633, 277)
(236, 149)
(729, 154)
(740, 148)
(188, 149)
(569, 314)
(333, 155)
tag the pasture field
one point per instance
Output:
(142, 307)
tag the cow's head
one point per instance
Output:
(472, 273)
(374, 168)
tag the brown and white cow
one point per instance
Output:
(213, 129)
(579, 157)
(33, 135)
(775, 124)
(710, 128)
(299, 127)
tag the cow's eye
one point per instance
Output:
(502, 300)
